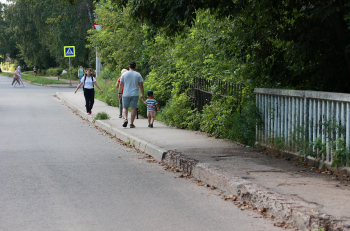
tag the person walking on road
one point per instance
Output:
(151, 108)
(80, 73)
(15, 78)
(130, 82)
(89, 92)
(121, 99)
(20, 75)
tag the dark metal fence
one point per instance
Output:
(201, 92)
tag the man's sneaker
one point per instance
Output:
(151, 125)
(125, 123)
(120, 116)
(132, 126)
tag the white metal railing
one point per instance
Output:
(285, 110)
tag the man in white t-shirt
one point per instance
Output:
(131, 82)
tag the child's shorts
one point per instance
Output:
(151, 113)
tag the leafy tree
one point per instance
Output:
(7, 43)
(294, 44)
(42, 28)
(121, 39)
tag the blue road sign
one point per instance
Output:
(69, 51)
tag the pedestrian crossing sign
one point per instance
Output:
(69, 51)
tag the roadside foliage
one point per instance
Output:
(35, 32)
(280, 44)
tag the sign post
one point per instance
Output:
(69, 51)
(98, 63)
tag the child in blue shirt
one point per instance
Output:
(151, 108)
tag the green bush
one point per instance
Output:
(74, 71)
(107, 81)
(177, 111)
(244, 124)
(221, 121)
(55, 71)
(102, 116)
(41, 72)
(109, 75)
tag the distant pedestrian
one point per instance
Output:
(80, 73)
(15, 78)
(89, 92)
(20, 75)
(24, 67)
(35, 70)
(130, 82)
(121, 99)
(151, 108)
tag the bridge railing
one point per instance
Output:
(310, 113)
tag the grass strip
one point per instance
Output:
(36, 79)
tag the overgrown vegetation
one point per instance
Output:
(102, 116)
(318, 148)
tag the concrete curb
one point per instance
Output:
(74, 107)
(43, 85)
(298, 213)
(149, 148)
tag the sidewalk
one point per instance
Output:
(291, 193)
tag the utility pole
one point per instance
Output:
(98, 63)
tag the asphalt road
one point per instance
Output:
(58, 172)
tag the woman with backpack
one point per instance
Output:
(89, 92)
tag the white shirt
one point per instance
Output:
(88, 82)
(131, 80)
